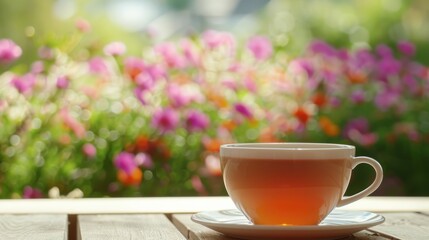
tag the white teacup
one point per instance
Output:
(291, 183)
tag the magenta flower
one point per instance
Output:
(244, 110)
(115, 49)
(165, 119)
(261, 47)
(89, 150)
(410, 83)
(196, 121)
(358, 96)
(140, 94)
(323, 48)
(357, 130)
(9, 51)
(384, 51)
(98, 65)
(363, 58)
(24, 84)
(214, 39)
(386, 99)
(125, 161)
(388, 67)
(406, 48)
(62, 82)
(30, 192)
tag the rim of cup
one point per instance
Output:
(289, 151)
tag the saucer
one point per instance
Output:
(338, 224)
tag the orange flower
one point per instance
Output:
(212, 145)
(132, 179)
(320, 99)
(142, 144)
(329, 127)
(217, 99)
(356, 77)
(267, 135)
(229, 125)
(302, 115)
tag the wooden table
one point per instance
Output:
(169, 218)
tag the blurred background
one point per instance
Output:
(79, 117)
(291, 24)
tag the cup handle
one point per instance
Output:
(372, 187)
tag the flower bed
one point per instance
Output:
(110, 123)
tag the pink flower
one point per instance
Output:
(177, 95)
(9, 51)
(134, 66)
(244, 110)
(145, 81)
(171, 56)
(196, 121)
(37, 67)
(406, 48)
(323, 48)
(140, 94)
(386, 99)
(72, 123)
(198, 185)
(384, 51)
(214, 39)
(212, 164)
(83, 25)
(260, 47)
(250, 84)
(302, 66)
(98, 65)
(190, 52)
(358, 96)
(357, 130)
(125, 161)
(156, 71)
(115, 49)
(143, 159)
(62, 82)
(165, 119)
(89, 150)
(388, 67)
(46, 53)
(24, 84)
(30, 192)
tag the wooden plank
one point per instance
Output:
(404, 226)
(34, 227)
(182, 205)
(126, 226)
(195, 231)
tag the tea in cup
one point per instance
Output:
(291, 183)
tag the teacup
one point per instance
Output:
(291, 183)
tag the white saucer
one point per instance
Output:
(338, 224)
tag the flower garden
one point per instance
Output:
(93, 120)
